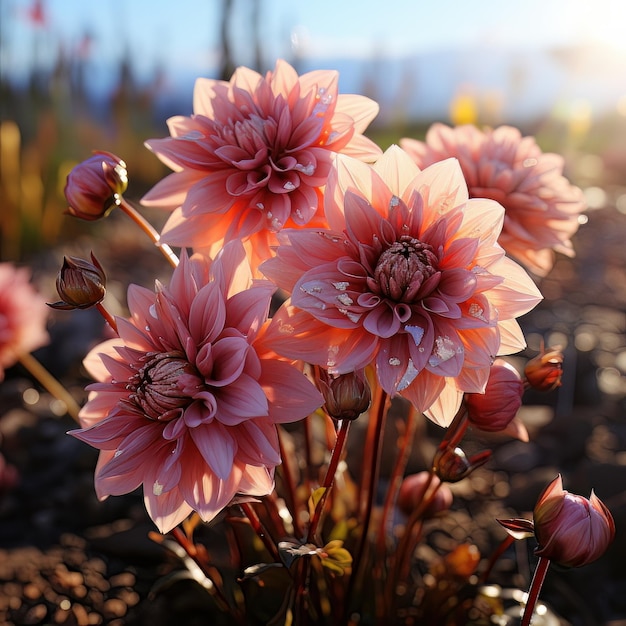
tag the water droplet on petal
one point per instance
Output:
(324, 96)
(261, 206)
(416, 332)
(341, 285)
(529, 162)
(477, 311)
(117, 453)
(289, 186)
(285, 329)
(345, 299)
(192, 135)
(409, 376)
(331, 359)
(157, 488)
(307, 170)
(395, 361)
(443, 351)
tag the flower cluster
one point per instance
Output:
(392, 280)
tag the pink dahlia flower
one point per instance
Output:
(187, 401)
(23, 316)
(254, 155)
(409, 276)
(542, 207)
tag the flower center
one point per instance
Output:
(403, 267)
(158, 388)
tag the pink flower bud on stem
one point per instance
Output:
(452, 464)
(346, 396)
(95, 186)
(495, 409)
(544, 371)
(80, 284)
(570, 530)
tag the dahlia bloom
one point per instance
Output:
(23, 316)
(542, 207)
(571, 530)
(409, 276)
(254, 155)
(187, 403)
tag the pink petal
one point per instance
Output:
(290, 394)
(166, 510)
(217, 447)
(242, 399)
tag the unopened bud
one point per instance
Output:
(571, 530)
(494, 409)
(95, 186)
(413, 490)
(346, 396)
(80, 284)
(545, 370)
(452, 464)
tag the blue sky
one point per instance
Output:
(182, 33)
(180, 36)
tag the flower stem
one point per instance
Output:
(51, 384)
(342, 434)
(291, 496)
(260, 530)
(395, 480)
(497, 553)
(190, 549)
(147, 228)
(107, 316)
(535, 587)
(370, 473)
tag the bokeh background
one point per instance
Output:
(78, 76)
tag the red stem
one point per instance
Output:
(290, 495)
(370, 473)
(397, 474)
(191, 551)
(260, 530)
(147, 228)
(535, 587)
(107, 316)
(342, 434)
(497, 553)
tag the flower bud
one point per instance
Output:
(452, 464)
(494, 409)
(545, 370)
(95, 186)
(80, 284)
(346, 396)
(571, 530)
(413, 490)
